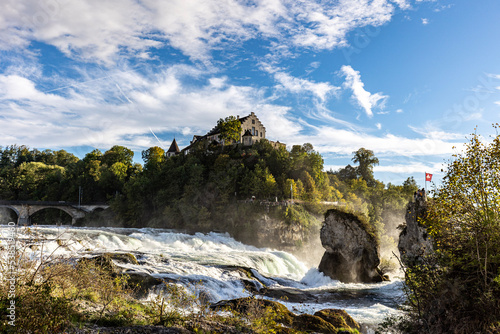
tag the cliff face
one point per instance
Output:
(414, 241)
(352, 254)
(272, 231)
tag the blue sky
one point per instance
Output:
(409, 80)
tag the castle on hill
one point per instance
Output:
(252, 130)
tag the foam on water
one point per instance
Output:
(202, 262)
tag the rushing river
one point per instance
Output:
(202, 260)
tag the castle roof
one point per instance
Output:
(173, 147)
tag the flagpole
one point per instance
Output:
(425, 176)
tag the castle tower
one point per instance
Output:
(173, 150)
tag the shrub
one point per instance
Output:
(457, 289)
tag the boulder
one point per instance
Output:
(105, 261)
(312, 323)
(250, 305)
(328, 321)
(352, 251)
(338, 318)
(140, 282)
(414, 240)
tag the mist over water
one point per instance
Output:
(206, 262)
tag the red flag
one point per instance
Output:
(428, 177)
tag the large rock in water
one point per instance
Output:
(352, 253)
(414, 240)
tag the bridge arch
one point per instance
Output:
(9, 213)
(25, 209)
(51, 216)
(69, 210)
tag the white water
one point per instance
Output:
(200, 262)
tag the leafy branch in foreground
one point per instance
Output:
(457, 289)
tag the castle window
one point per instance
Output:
(253, 121)
(253, 130)
(256, 132)
(261, 133)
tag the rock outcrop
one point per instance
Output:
(328, 321)
(352, 253)
(139, 281)
(414, 240)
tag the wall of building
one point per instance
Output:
(255, 126)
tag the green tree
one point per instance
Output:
(38, 181)
(153, 157)
(230, 129)
(311, 193)
(347, 173)
(457, 289)
(118, 154)
(366, 160)
(410, 186)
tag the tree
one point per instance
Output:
(458, 288)
(366, 160)
(63, 158)
(410, 186)
(230, 129)
(118, 154)
(38, 181)
(153, 157)
(346, 174)
(308, 147)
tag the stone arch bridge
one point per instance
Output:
(24, 209)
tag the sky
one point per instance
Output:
(408, 79)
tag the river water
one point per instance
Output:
(206, 262)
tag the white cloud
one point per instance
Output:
(403, 4)
(327, 139)
(123, 108)
(97, 30)
(412, 167)
(315, 64)
(364, 99)
(473, 116)
(425, 21)
(379, 126)
(324, 25)
(442, 7)
(434, 133)
(297, 85)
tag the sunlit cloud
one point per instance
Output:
(123, 110)
(363, 98)
(433, 132)
(102, 30)
(321, 90)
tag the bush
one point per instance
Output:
(457, 289)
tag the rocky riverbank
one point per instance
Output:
(242, 315)
(118, 278)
